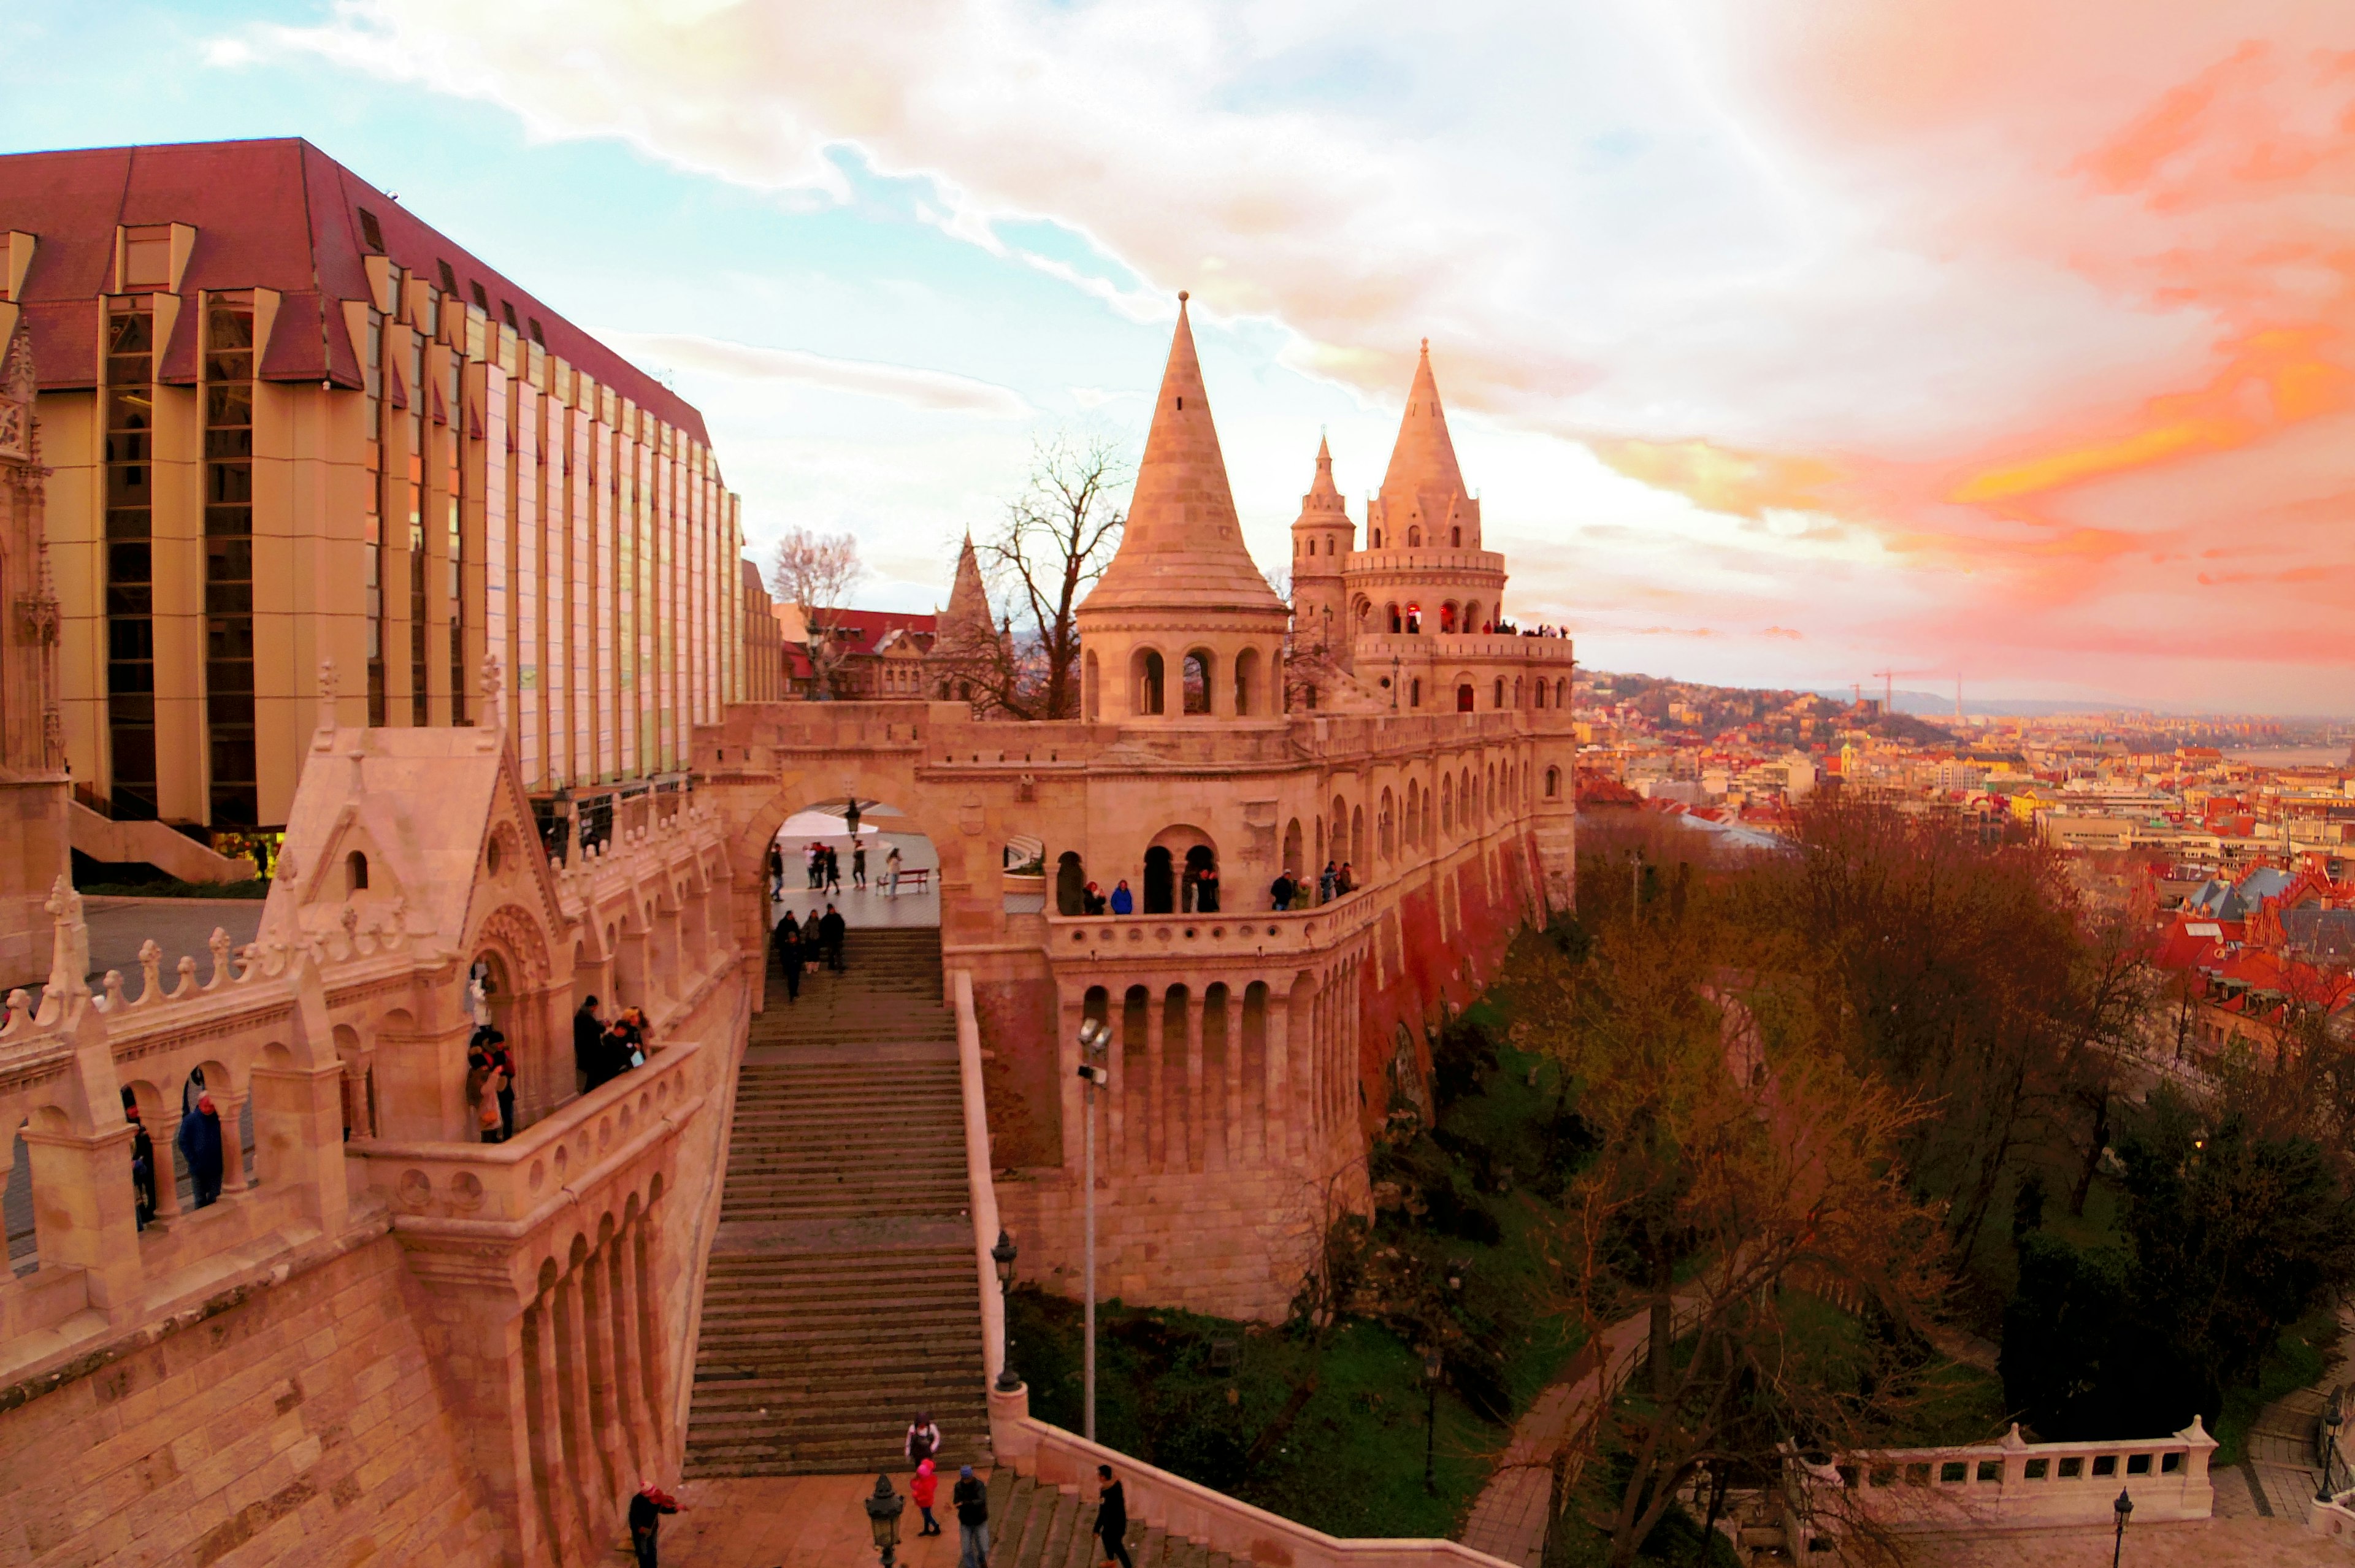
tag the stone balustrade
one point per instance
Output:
(1196, 936)
(2008, 1484)
(1193, 1512)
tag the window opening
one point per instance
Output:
(130, 560)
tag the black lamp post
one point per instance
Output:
(884, 1508)
(2124, 1505)
(2331, 1417)
(1002, 1255)
(1431, 1414)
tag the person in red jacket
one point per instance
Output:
(920, 1491)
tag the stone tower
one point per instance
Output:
(1182, 626)
(1423, 568)
(1322, 540)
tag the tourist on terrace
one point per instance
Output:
(832, 872)
(1092, 900)
(891, 873)
(1112, 1519)
(789, 954)
(1122, 901)
(831, 929)
(495, 1045)
(923, 1439)
(858, 879)
(1347, 883)
(814, 863)
(200, 1150)
(142, 1163)
(971, 1501)
(646, 1521)
(588, 1044)
(1279, 892)
(483, 1081)
(776, 870)
(1328, 882)
(1206, 890)
(922, 1487)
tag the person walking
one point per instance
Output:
(646, 1510)
(923, 1439)
(588, 1044)
(776, 870)
(811, 863)
(1122, 901)
(200, 1150)
(972, 1501)
(891, 873)
(1112, 1519)
(831, 930)
(922, 1487)
(859, 866)
(789, 954)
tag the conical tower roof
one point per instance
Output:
(1183, 546)
(1323, 496)
(967, 615)
(1423, 474)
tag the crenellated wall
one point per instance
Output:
(387, 1338)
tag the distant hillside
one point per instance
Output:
(1758, 717)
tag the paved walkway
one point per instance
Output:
(118, 926)
(1508, 1519)
(797, 1522)
(2283, 1470)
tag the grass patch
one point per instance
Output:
(2300, 1357)
(1350, 1464)
(172, 888)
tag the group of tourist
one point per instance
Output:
(490, 1084)
(801, 943)
(1287, 892)
(603, 1050)
(970, 1498)
(822, 868)
(202, 1154)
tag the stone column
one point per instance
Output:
(298, 1137)
(604, 1415)
(1234, 1128)
(230, 1109)
(1275, 1120)
(1115, 1153)
(1070, 1010)
(653, 1375)
(163, 1132)
(1195, 1105)
(84, 1215)
(629, 1312)
(585, 1490)
(544, 1418)
(1156, 1119)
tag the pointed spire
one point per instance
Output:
(1323, 506)
(1183, 545)
(1423, 477)
(967, 615)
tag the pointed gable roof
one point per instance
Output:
(1422, 473)
(967, 615)
(1183, 545)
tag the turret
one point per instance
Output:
(1422, 569)
(1321, 541)
(1181, 625)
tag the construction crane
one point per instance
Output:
(1888, 690)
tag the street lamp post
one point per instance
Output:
(1002, 1255)
(2124, 1507)
(1096, 1042)
(884, 1507)
(2331, 1417)
(1431, 1369)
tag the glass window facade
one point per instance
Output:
(234, 788)
(131, 557)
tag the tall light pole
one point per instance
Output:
(1095, 1040)
(2124, 1507)
(1001, 1257)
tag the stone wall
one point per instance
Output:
(296, 1420)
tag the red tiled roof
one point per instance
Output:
(277, 214)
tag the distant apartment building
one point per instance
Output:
(287, 423)
(764, 641)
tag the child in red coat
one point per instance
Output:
(922, 1489)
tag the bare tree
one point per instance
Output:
(1055, 541)
(814, 574)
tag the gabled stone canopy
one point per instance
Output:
(1183, 546)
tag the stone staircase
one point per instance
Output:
(842, 1296)
(1031, 1526)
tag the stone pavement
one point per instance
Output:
(118, 926)
(867, 906)
(2245, 1542)
(2283, 1470)
(797, 1522)
(1509, 1519)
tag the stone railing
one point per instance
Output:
(1245, 934)
(2008, 1484)
(2333, 1516)
(1194, 1512)
(980, 1180)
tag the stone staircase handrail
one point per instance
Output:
(979, 1176)
(1186, 1508)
